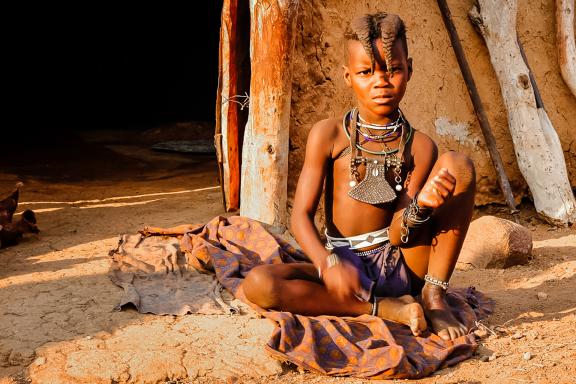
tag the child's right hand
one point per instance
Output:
(342, 280)
(437, 190)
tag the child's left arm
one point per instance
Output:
(424, 155)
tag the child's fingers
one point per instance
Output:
(448, 182)
(444, 173)
(441, 189)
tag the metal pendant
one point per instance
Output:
(374, 188)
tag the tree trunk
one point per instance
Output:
(565, 41)
(538, 155)
(264, 178)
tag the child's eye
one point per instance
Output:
(364, 72)
(395, 69)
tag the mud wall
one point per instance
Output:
(437, 100)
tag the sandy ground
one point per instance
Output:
(56, 301)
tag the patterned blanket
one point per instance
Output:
(363, 346)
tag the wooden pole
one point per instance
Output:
(540, 159)
(265, 153)
(233, 81)
(478, 107)
(565, 41)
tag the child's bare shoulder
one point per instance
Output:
(423, 148)
(324, 134)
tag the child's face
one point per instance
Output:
(378, 93)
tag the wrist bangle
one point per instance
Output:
(331, 260)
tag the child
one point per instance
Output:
(396, 213)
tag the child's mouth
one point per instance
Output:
(382, 99)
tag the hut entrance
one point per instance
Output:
(233, 96)
(92, 95)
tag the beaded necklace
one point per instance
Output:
(374, 188)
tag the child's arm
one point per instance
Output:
(342, 279)
(424, 154)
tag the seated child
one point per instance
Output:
(396, 212)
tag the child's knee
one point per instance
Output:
(461, 167)
(261, 288)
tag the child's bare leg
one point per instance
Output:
(448, 230)
(296, 288)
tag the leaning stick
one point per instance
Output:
(478, 107)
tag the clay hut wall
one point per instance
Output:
(437, 100)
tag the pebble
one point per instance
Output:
(40, 361)
(492, 357)
(480, 333)
(542, 296)
(527, 356)
(517, 336)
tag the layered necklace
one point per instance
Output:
(374, 188)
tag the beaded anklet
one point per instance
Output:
(434, 281)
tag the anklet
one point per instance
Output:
(435, 281)
(375, 306)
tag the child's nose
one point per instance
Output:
(382, 78)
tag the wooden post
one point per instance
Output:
(537, 158)
(478, 107)
(265, 150)
(230, 114)
(565, 42)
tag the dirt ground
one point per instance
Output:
(56, 301)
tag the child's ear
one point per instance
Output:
(409, 61)
(346, 73)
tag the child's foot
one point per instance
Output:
(438, 312)
(404, 310)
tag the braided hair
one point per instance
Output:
(386, 26)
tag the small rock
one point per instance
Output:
(517, 336)
(40, 361)
(480, 333)
(88, 337)
(484, 358)
(542, 296)
(492, 357)
(527, 356)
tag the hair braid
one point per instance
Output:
(363, 30)
(390, 28)
(386, 26)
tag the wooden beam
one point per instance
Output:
(265, 151)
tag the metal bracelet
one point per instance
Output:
(331, 260)
(413, 217)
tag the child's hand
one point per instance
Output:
(437, 190)
(342, 280)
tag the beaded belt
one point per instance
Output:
(359, 241)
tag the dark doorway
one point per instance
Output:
(75, 72)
